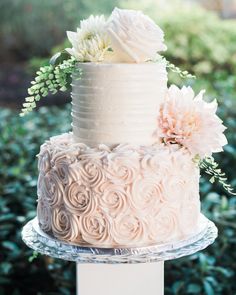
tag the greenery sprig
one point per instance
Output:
(177, 70)
(173, 68)
(33, 256)
(211, 167)
(50, 79)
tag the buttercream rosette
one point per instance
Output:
(95, 229)
(125, 195)
(65, 226)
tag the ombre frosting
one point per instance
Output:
(127, 195)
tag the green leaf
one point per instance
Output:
(177, 286)
(33, 256)
(11, 246)
(212, 179)
(29, 99)
(5, 268)
(59, 57)
(194, 289)
(7, 217)
(63, 88)
(208, 288)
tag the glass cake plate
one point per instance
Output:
(36, 239)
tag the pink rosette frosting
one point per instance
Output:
(44, 161)
(153, 163)
(164, 224)
(79, 199)
(91, 171)
(173, 189)
(44, 214)
(63, 163)
(178, 183)
(146, 193)
(123, 167)
(121, 196)
(129, 229)
(113, 199)
(189, 216)
(61, 142)
(95, 229)
(40, 184)
(51, 188)
(65, 226)
(60, 163)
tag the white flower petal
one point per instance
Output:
(90, 42)
(72, 37)
(134, 36)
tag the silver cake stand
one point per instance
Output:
(128, 261)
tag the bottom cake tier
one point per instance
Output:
(124, 196)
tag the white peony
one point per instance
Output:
(134, 36)
(90, 42)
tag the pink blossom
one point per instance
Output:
(191, 122)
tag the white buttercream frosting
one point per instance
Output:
(117, 103)
(127, 195)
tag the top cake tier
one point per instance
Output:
(117, 103)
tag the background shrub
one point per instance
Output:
(20, 141)
(197, 40)
(31, 27)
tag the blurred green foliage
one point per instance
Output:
(19, 144)
(204, 45)
(32, 27)
(197, 41)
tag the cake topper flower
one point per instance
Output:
(190, 122)
(128, 36)
(134, 36)
(90, 42)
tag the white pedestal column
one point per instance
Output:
(120, 279)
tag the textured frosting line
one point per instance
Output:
(117, 103)
(125, 196)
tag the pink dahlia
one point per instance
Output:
(191, 122)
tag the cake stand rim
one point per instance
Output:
(154, 253)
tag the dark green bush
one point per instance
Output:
(19, 144)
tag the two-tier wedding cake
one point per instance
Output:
(127, 175)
